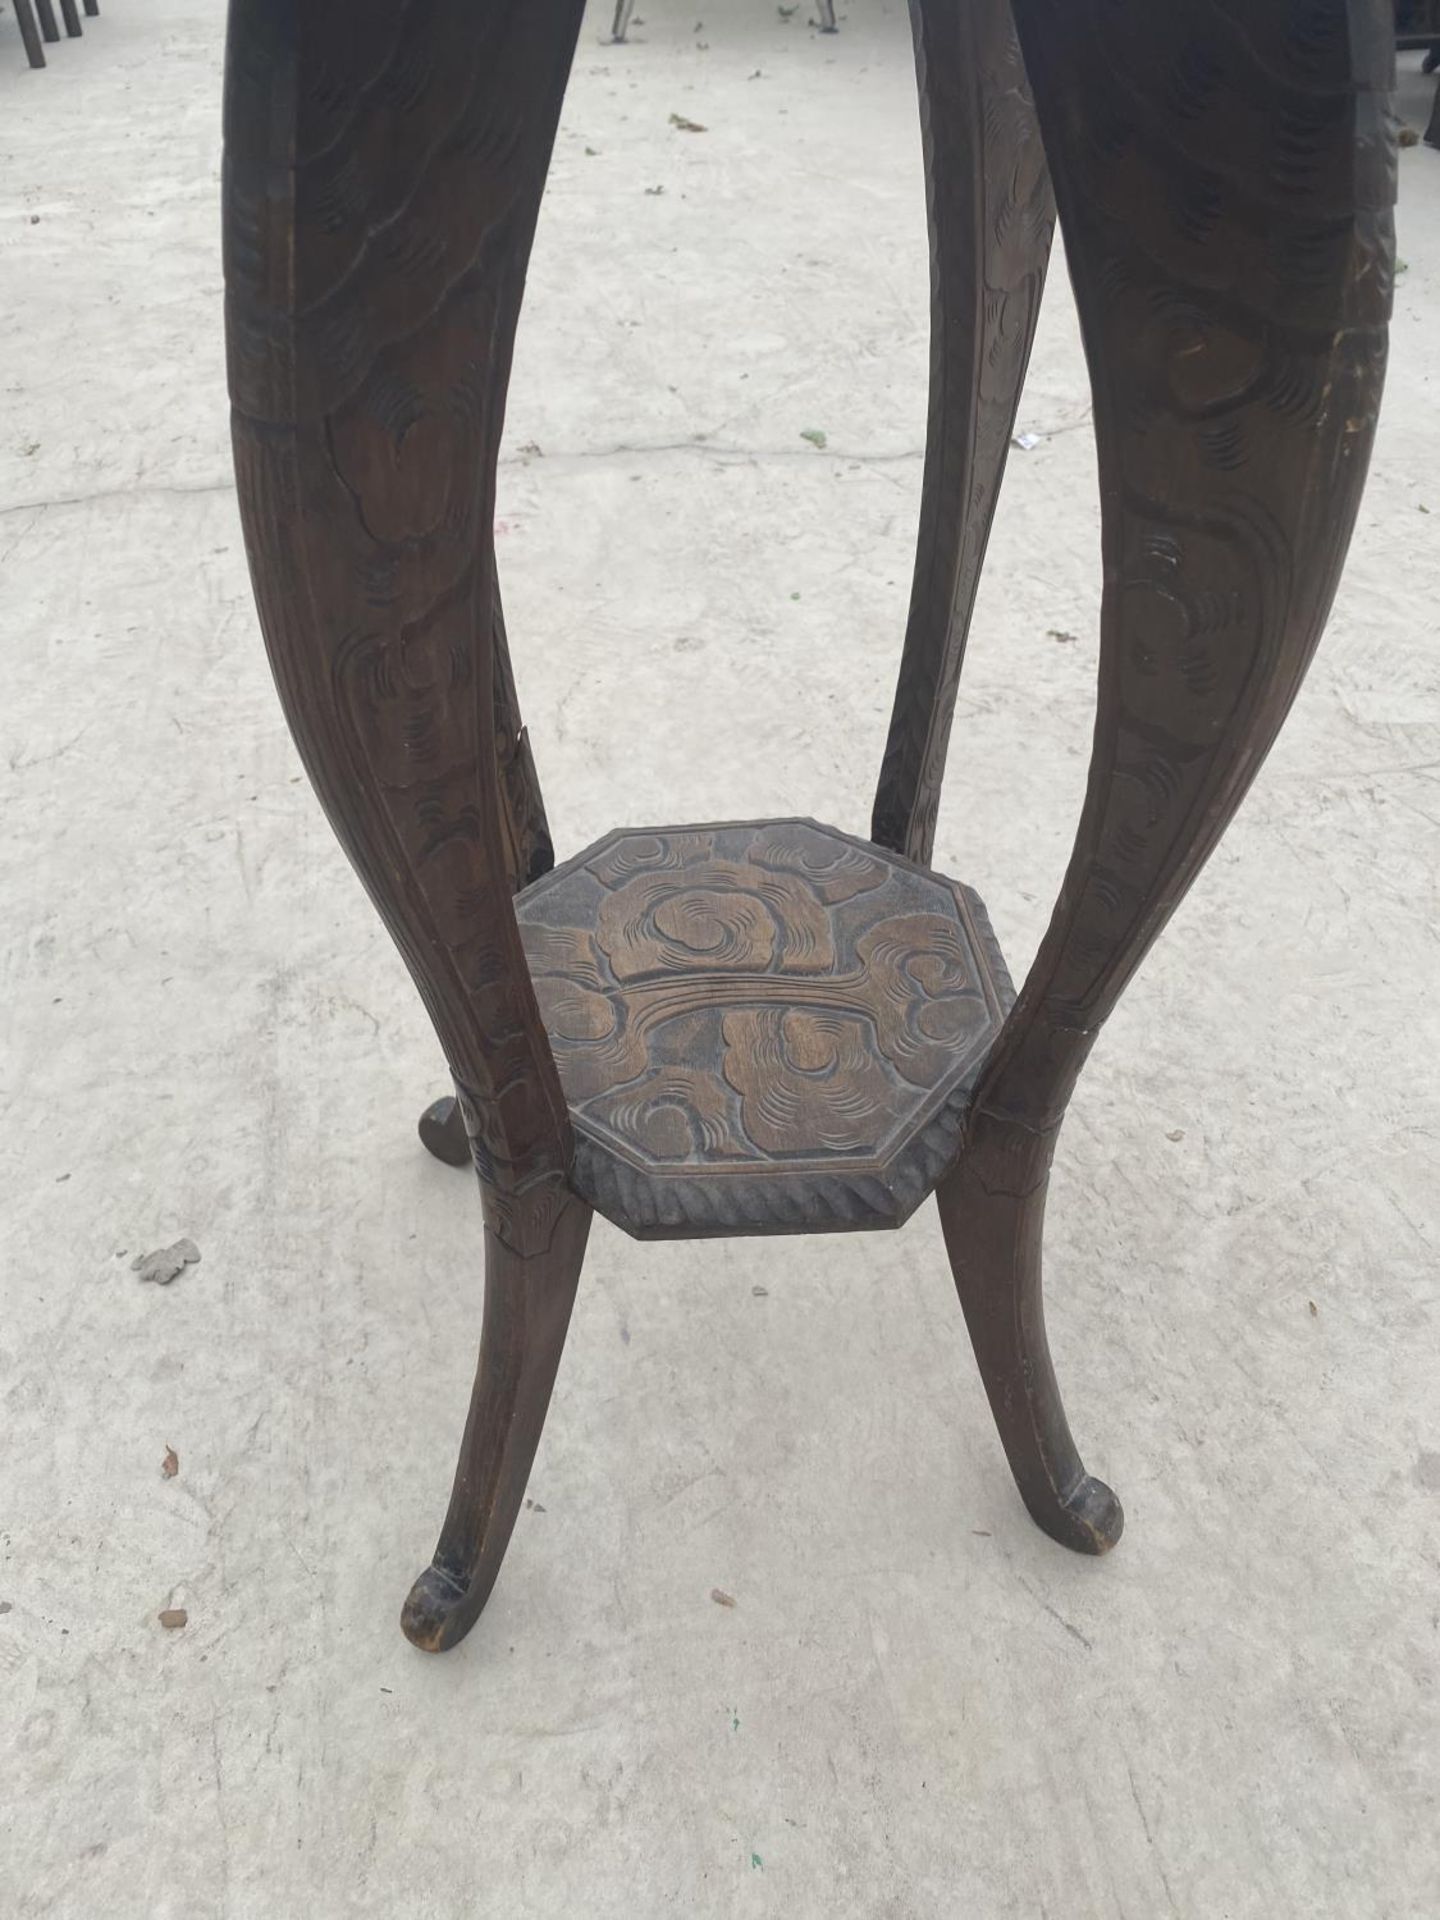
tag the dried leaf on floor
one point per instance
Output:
(687, 126)
(165, 1263)
(721, 1598)
(173, 1617)
(170, 1465)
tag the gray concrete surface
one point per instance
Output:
(918, 1706)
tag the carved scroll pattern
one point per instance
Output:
(1225, 176)
(758, 1007)
(384, 165)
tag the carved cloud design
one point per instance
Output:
(737, 998)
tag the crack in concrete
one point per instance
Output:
(622, 451)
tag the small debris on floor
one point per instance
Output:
(1026, 441)
(6, 1606)
(687, 126)
(1063, 638)
(165, 1263)
(721, 1598)
(170, 1465)
(761, 1293)
(815, 435)
(172, 1617)
(534, 1506)
(654, 192)
(1176, 1133)
(981, 1533)
(1408, 137)
(1314, 1310)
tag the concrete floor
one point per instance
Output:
(917, 1706)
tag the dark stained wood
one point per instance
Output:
(771, 1027)
(529, 851)
(442, 1128)
(530, 1282)
(993, 1238)
(384, 172)
(764, 1027)
(29, 32)
(384, 166)
(528, 854)
(991, 220)
(1225, 185)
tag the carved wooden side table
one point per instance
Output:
(772, 1027)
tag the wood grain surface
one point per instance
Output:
(384, 165)
(1224, 174)
(991, 219)
(383, 173)
(763, 1027)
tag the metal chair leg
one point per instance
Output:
(30, 33)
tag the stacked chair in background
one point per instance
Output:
(37, 23)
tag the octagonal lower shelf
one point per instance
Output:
(760, 1027)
